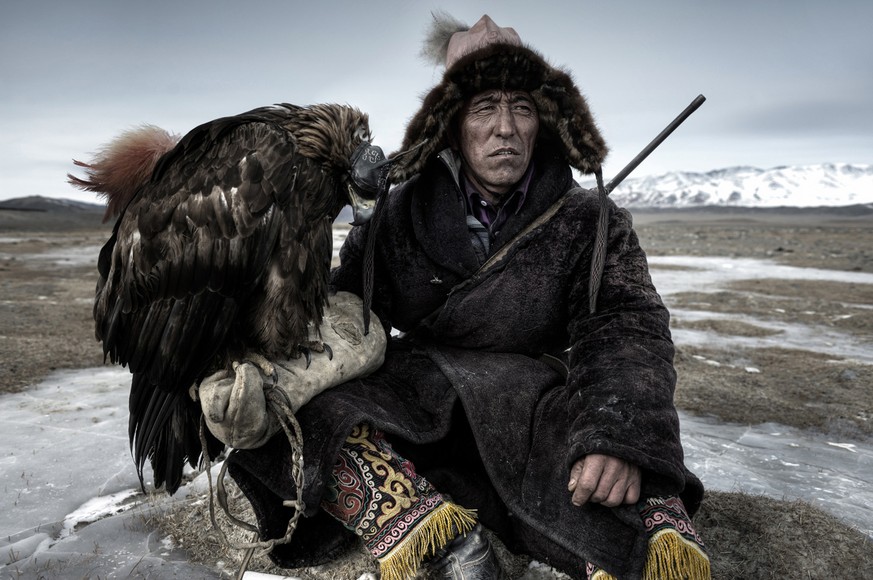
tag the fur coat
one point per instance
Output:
(466, 394)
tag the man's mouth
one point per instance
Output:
(502, 152)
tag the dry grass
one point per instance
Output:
(747, 536)
(752, 536)
(189, 524)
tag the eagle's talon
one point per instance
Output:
(307, 354)
(312, 346)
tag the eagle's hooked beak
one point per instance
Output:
(369, 178)
(362, 208)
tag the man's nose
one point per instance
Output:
(505, 122)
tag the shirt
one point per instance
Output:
(489, 216)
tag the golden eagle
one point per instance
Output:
(222, 247)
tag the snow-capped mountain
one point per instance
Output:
(831, 184)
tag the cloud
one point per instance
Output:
(839, 115)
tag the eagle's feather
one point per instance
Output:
(223, 248)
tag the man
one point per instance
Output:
(528, 389)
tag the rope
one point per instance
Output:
(280, 405)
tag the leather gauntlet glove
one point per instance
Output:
(234, 402)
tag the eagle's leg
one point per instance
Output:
(262, 363)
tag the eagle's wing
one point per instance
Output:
(178, 271)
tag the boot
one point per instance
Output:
(469, 556)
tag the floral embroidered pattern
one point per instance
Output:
(660, 513)
(376, 493)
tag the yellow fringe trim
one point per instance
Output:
(437, 530)
(670, 557)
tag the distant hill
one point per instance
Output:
(37, 213)
(837, 188)
(39, 203)
(824, 185)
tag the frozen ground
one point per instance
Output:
(674, 274)
(71, 500)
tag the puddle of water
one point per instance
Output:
(61, 256)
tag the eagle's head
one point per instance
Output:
(337, 137)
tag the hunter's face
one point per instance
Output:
(498, 130)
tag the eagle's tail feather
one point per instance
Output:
(164, 429)
(123, 165)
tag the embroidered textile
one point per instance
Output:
(376, 493)
(675, 548)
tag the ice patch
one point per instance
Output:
(710, 275)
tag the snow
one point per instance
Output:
(829, 184)
(73, 508)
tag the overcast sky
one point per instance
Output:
(787, 82)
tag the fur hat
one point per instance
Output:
(485, 57)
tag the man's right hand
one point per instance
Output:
(605, 480)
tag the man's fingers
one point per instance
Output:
(633, 489)
(610, 489)
(603, 479)
(616, 495)
(587, 480)
(575, 474)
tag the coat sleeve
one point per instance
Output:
(621, 378)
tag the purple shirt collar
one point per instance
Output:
(491, 217)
